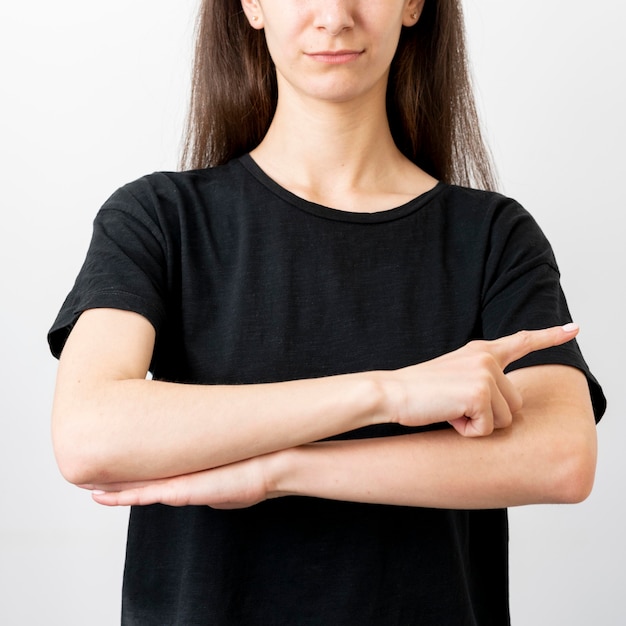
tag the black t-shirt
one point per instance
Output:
(245, 282)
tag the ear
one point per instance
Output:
(253, 12)
(412, 12)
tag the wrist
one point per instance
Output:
(376, 392)
(388, 398)
(278, 470)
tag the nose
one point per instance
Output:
(334, 16)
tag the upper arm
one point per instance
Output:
(105, 346)
(557, 415)
(107, 343)
(560, 388)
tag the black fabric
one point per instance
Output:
(245, 282)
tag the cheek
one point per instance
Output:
(281, 44)
(389, 44)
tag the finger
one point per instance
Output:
(132, 497)
(480, 425)
(513, 347)
(107, 498)
(492, 408)
(478, 418)
(503, 407)
(506, 400)
(150, 493)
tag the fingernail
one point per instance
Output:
(97, 492)
(570, 328)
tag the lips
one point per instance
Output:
(335, 57)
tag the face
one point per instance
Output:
(333, 50)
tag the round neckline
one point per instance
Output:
(340, 215)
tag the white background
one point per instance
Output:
(93, 95)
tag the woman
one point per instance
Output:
(327, 321)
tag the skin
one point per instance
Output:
(339, 109)
(331, 51)
(520, 438)
(529, 457)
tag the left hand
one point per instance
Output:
(234, 486)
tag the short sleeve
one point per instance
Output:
(522, 290)
(125, 267)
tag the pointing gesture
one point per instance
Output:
(508, 349)
(468, 387)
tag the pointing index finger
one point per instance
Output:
(513, 347)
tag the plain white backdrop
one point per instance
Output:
(93, 95)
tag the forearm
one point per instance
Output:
(547, 455)
(437, 469)
(110, 425)
(131, 430)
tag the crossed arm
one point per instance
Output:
(521, 438)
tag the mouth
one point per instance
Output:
(335, 57)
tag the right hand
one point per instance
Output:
(468, 387)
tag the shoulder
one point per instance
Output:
(478, 203)
(168, 200)
(489, 216)
(177, 187)
(502, 215)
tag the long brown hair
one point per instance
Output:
(430, 102)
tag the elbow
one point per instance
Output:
(78, 458)
(577, 485)
(574, 471)
(77, 466)
(73, 473)
(76, 469)
(83, 469)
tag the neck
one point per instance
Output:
(325, 136)
(339, 154)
